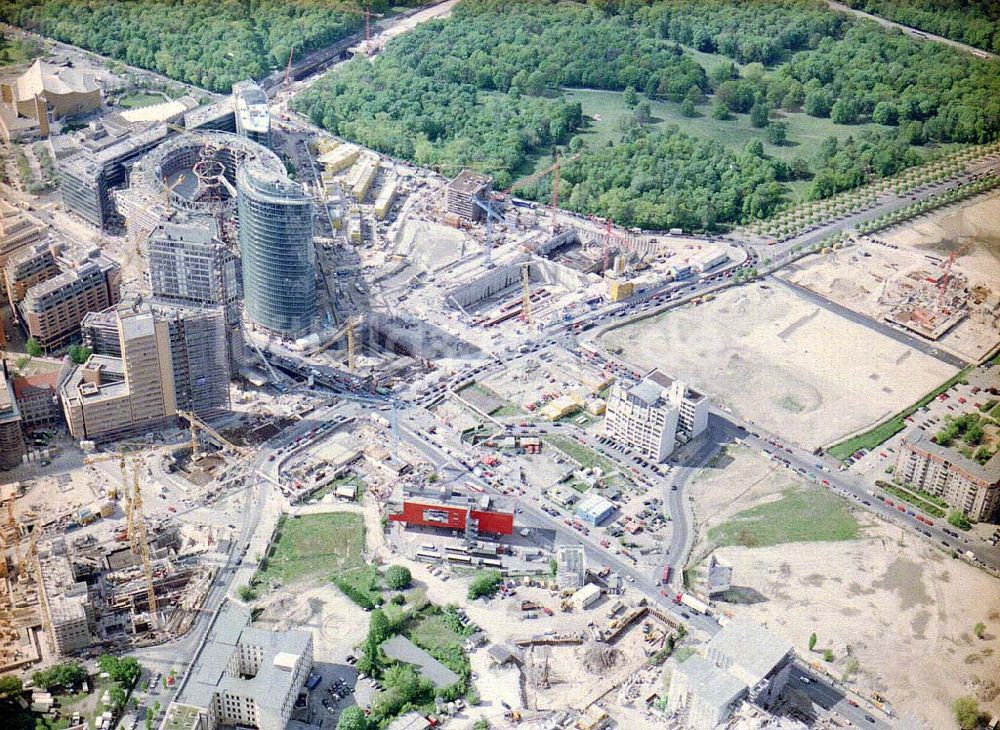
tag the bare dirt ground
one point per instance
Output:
(732, 482)
(869, 278)
(976, 224)
(796, 368)
(893, 608)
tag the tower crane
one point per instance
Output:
(351, 343)
(946, 269)
(555, 168)
(288, 68)
(196, 423)
(139, 540)
(491, 215)
(14, 537)
(526, 300)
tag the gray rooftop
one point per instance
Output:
(231, 629)
(748, 650)
(715, 686)
(988, 472)
(469, 182)
(404, 650)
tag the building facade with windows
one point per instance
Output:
(655, 413)
(966, 485)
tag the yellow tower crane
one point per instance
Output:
(14, 538)
(196, 423)
(139, 541)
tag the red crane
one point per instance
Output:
(946, 269)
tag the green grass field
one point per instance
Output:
(140, 99)
(431, 631)
(801, 515)
(312, 545)
(587, 457)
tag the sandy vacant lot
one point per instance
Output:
(904, 610)
(977, 224)
(792, 366)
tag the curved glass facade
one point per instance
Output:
(279, 261)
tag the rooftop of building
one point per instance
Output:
(715, 686)
(989, 472)
(208, 113)
(166, 111)
(750, 647)
(665, 381)
(269, 686)
(594, 504)
(251, 106)
(113, 144)
(447, 495)
(470, 182)
(43, 78)
(29, 385)
(85, 268)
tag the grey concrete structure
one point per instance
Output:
(244, 677)
(253, 117)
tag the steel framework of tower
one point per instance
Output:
(139, 540)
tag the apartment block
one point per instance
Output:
(653, 414)
(968, 486)
(29, 266)
(244, 677)
(53, 309)
(199, 358)
(17, 230)
(461, 194)
(109, 397)
(37, 398)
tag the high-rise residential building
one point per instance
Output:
(53, 309)
(653, 414)
(279, 261)
(199, 358)
(244, 677)
(970, 487)
(190, 267)
(11, 431)
(110, 397)
(461, 194)
(253, 118)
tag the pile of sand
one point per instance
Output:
(598, 657)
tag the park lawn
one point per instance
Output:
(313, 545)
(607, 109)
(801, 515)
(432, 632)
(363, 578)
(140, 99)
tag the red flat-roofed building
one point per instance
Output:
(450, 509)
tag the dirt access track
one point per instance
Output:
(774, 358)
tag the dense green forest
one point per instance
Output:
(479, 87)
(205, 43)
(976, 22)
